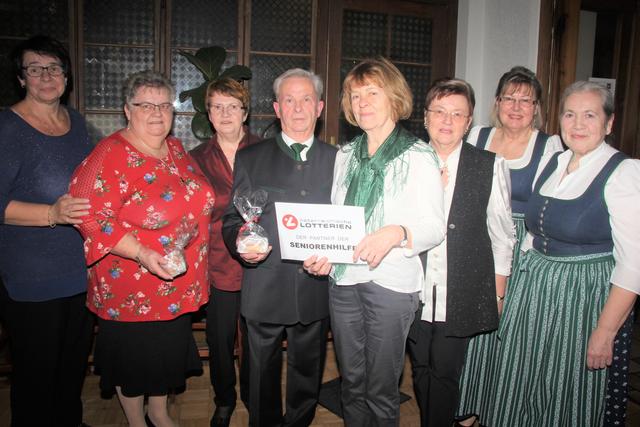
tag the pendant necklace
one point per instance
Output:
(171, 166)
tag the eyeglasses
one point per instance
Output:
(441, 115)
(37, 70)
(230, 108)
(150, 107)
(510, 101)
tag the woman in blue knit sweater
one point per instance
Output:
(44, 277)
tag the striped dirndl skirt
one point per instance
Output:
(476, 381)
(540, 374)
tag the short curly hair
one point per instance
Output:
(147, 78)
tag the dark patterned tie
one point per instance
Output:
(297, 149)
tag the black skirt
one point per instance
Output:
(146, 358)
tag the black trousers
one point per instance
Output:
(436, 362)
(306, 351)
(50, 343)
(223, 314)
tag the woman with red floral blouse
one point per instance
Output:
(145, 198)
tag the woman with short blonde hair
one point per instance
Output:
(395, 177)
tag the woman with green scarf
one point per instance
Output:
(395, 177)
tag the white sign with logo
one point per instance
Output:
(330, 231)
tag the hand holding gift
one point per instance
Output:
(176, 262)
(252, 238)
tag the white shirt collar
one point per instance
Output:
(289, 141)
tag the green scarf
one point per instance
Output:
(366, 175)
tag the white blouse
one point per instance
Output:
(416, 204)
(554, 144)
(501, 232)
(622, 196)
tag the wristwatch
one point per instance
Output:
(405, 237)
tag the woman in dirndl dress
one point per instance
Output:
(515, 136)
(578, 279)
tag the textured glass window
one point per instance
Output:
(103, 125)
(182, 131)
(106, 68)
(119, 40)
(405, 40)
(281, 33)
(196, 24)
(21, 20)
(199, 23)
(364, 34)
(281, 26)
(419, 79)
(265, 69)
(119, 21)
(411, 39)
(26, 18)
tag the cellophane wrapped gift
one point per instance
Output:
(252, 238)
(176, 262)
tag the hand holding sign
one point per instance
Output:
(317, 266)
(328, 231)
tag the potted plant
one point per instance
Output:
(208, 60)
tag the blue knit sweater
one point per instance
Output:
(39, 263)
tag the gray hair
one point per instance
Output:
(585, 86)
(298, 72)
(147, 78)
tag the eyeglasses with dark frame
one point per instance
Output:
(37, 70)
(150, 107)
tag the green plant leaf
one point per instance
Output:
(197, 62)
(208, 60)
(197, 95)
(237, 72)
(213, 57)
(201, 127)
(198, 98)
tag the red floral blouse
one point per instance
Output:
(156, 201)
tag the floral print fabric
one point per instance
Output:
(156, 201)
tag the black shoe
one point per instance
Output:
(222, 416)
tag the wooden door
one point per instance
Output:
(419, 37)
(557, 53)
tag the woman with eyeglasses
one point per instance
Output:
(465, 273)
(44, 277)
(227, 104)
(516, 137)
(147, 203)
(579, 277)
